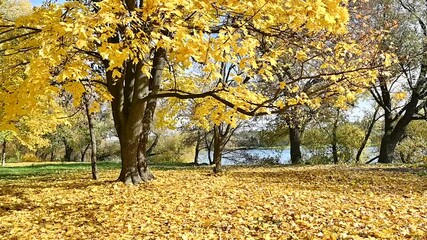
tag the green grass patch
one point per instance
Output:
(16, 172)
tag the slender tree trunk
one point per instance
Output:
(209, 148)
(334, 138)
(295, 142)
(68, 154)
(42, 155)
(217, 150)
(92, 139)
(367, 135)
(153, 145)
(82, 159)
(3, 153)
(197, 149)
(196, 155)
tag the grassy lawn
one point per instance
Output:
(58, 201)
(35, 169)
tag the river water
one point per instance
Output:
(256, 156)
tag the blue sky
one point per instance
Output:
(39, 2)
(36, 2)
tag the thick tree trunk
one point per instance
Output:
(217, 151)
(133, 110)
(133, 147)
(394, 131)
(395, 124)
(295, 142)
(92, 139)
(335, 153)
(387, 146)
(68, 151)
(129, 149)
(133, 144)
(3, 153)
(387, 149)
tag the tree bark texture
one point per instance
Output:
(68, 150)
(295, 142)
(197, 148)
(217, 150)
(395, 127)
(52, 155)
(133, 114)
(396, 122)
(92, 138)
(3, 153)
(209, 148)
(388, 147)
(334, 138)
(222, 135)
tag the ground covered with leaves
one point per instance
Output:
(243, 203)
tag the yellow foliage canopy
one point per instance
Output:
(227, 52)
(200, 37)
(28, 108)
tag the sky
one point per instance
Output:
(39, 2)
(36, 2)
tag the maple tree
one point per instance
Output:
(25, 114)
(135, 52)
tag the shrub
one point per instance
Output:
(172, 148)
(413, 147)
